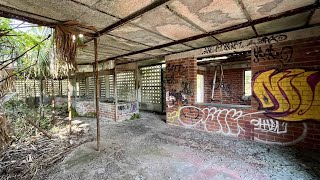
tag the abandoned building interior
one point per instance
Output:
(173, 73)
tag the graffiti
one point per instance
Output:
(172, 70)
(186, 88)
(225, 121)
(284, 55)
(134, 107)
(289, 95)
(224, 46)
(176, 68)
(244, 43)
(273, 129)
(172, 116)
(270, 125)
(128, 108)
(171, 79)
(173, 97)
(269, 39)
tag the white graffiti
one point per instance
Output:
(300, 138)
(227, 122)
(270, 125)
(225, 118)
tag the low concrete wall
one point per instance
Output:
(107, 110)
(126, 110)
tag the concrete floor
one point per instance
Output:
(147, 148)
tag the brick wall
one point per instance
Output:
(287, 105)
(181, 84)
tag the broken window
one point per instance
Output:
(247, 83)
(200, 88)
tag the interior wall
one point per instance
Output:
(286, 102)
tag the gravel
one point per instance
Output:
(148, 148)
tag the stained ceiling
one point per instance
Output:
(131, 30)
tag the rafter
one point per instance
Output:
(13, 13)
(228, 29)
(245, 12)
(131, 17)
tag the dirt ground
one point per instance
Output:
(147, 148)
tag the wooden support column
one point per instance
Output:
(96, 70)
(69, 102)
(115, 93)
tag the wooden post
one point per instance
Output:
(69, 102)
(97, 90)
(53, 121)
(115, 94)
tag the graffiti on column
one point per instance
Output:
(276, 127)
(284, 55)
(270, 125)
(289, 95)
(172, 70)
(226, 120)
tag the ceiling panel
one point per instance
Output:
(106, 49)
(210, 14)
(157, 52)
(62, 10)
(315, 19)
(282, 24)
(89, 55)
(263, 8)
(87, 2)
(177, 48)
(97, 19)
(139, 56)
(137, 34)
(122, 8)
(162, 21)
(243, 33)
(121, 43)
(206, 41)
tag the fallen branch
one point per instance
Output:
(39, 128)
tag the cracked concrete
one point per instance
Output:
(147, 148)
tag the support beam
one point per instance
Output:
(96, 70)
(115, 93)
(228, 29)
(245, 12)
(131, 17)
(12, 13)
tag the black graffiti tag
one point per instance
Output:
(284, 55)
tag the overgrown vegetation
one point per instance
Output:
(135, 116)
(17, 111)
(90, 114)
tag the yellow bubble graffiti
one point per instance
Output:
(290, 95)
